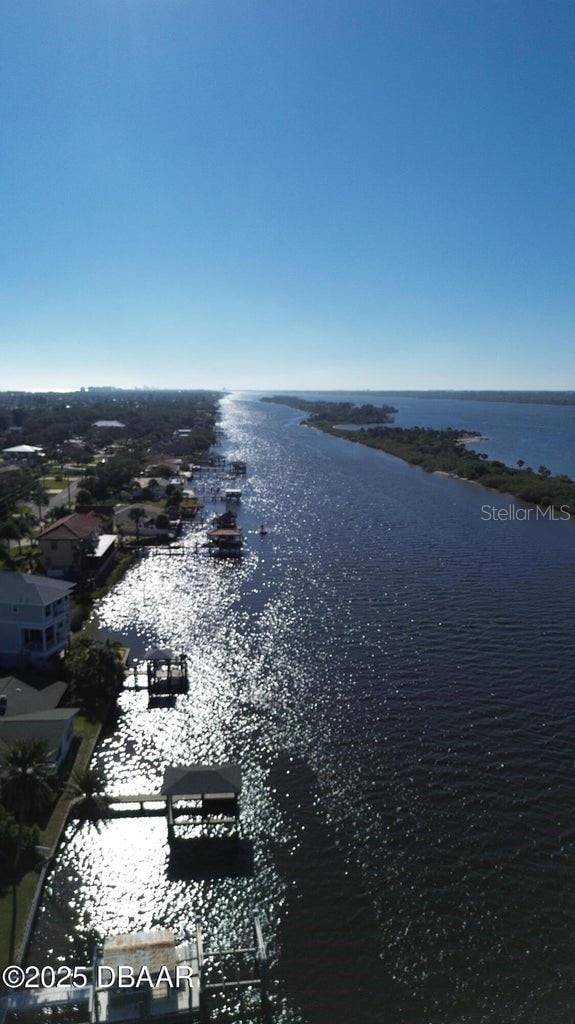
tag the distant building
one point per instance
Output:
(163, 460)
(30, 714)
(146, 527)
(23, 452)
(34, 618)
(109, 424)
(77, 544)
(73, 445)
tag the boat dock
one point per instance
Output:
(163, 673)
(149, 975)
(198, 794)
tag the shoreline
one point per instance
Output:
(445, 453)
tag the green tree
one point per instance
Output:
(96, 673)
(18, 856)
(39, 496)
(26, 776)
(11, 530)
(87, 789)
(136, 515)
(83, 496)
(58, 512)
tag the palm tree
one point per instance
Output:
(11, 530)
(26, 775)
(521, 463)
(137, 514)
(40, 497)
(86, 789)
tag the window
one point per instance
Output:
(50, 636)
(54, 545)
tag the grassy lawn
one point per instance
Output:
(88, 733)
(51, 483)
(24, 897)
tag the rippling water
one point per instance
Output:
(396, 677)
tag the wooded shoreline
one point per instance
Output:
(444, 451)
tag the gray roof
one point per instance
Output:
(24, 588)
(49, 715)
(202, 780)
(48, 726)
(22, 699)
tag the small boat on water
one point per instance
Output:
(263, 530)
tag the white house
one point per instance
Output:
(34, 617)
(23, 452)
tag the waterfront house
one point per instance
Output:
(146, 527)
(76, 544)
(30, 714)
(164, 461)
(106, 513)
(34, 618)
(189, 504)
(55, 728)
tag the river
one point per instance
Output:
(395, 673)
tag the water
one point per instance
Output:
(396, 676)
(538, 434)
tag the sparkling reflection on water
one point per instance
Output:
(395, 676)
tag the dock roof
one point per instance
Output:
(202, 780)
(160, 654)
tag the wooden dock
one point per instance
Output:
(197, 794)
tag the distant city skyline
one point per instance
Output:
(296, 195)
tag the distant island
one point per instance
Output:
(517, 397)
(440, 451)
(336, 412)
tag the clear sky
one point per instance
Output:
(287, 193)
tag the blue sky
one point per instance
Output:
(289, 193)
